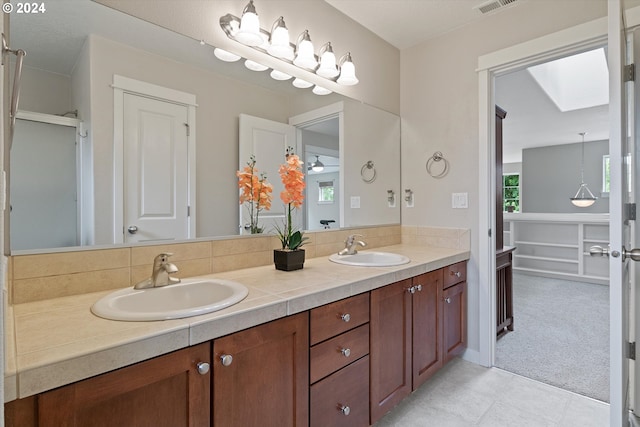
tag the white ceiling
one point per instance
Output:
(531, 118)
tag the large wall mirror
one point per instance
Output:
(68, 162)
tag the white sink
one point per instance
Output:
(191, 297)
(370, 259)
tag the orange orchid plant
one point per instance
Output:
(255, 191)
(292, 176)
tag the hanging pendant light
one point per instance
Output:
(317, 166)
(584, 197)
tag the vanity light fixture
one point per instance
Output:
(328, 67)
(277, 44)
(249, 31)
(225, 56)
(584, 197)
(347, 71)
(279, 40)
(254, 66)
(319, 90)
(301, 84)
(279, 75)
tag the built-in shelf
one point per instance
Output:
(557, 245)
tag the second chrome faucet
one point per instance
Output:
(351, 245)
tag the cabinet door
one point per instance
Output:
(164, 391)
(390, 351)
(427, 326)
(455, 320)
(267, 381)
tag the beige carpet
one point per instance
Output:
(561, 335)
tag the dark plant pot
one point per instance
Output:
(288, 260)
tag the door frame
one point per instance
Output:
(574, 39)
(122, 85)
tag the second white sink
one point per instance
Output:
(191, 297)
(370, 259)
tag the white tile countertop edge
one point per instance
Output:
(59, 341)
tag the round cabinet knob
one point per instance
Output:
(411, 290)
(419, 288)
(346, 352)
(226, 359)
(132, 229)
(344, 409)
(447, 300)
(345, 317)
(455, 273)
(203, 368)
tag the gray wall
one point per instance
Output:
(551, 175)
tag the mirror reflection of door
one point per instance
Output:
(156, 170)
(323, 177)
(268, 142)
(43, 183)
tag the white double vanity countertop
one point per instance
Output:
(59, 341)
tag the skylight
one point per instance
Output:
(575, 82)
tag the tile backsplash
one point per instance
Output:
(44, 276)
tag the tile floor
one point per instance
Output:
(464, 394)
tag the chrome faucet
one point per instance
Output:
(162, 268)
(351, 244)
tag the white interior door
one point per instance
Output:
(267, 141)
(621, 239)
(156, 170)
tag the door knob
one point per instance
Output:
(598, 251)
(132, 229)
(634, 254)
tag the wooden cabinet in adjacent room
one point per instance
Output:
(172, 390)
(261, 375)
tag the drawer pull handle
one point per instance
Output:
(455, 273)
(344, 409)
(226, 359)
(346, 352)
(345, 317)
(203, 368)
(447, 300)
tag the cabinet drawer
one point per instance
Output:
(335, 318)
(455, 273)
(347, 388)
(338, 352)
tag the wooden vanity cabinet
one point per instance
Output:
(417, 325)
(261, 375)
(165, 391)
(339, 363)
(454, 310)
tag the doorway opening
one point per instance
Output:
(560, 294)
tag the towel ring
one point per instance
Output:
(437, 156)
(368, 166)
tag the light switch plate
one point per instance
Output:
(459, 200)
(355, 202)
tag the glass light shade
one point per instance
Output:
(319, 90)
(254, 66)
(301, 84)
(279, 43)
(328, 68)
(249, 32)
(305, 56)
(279, 75)
(317, 166)
(584, 197)
(225, 56)
(583, 203)
(348, 74)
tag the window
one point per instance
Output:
(511, 192)
(325, 191)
